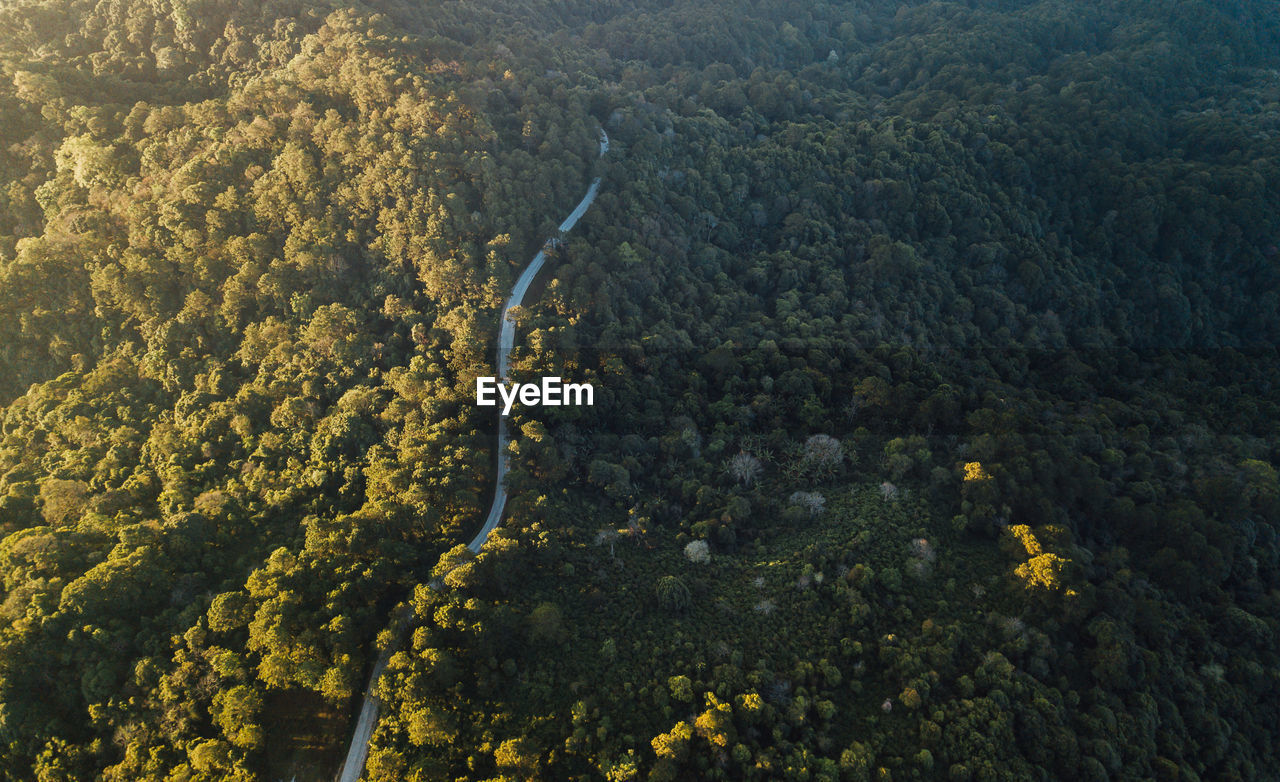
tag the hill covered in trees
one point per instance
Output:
(934, 348)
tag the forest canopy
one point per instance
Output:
(934, 347)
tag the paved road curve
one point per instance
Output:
(353, 766)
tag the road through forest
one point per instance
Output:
(358, 751)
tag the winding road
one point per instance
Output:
(358, 751)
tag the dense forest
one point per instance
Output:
(937, 415)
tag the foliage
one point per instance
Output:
(950, 326)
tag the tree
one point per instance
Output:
(698, 552)
(672, 593)
(607, 535)
(518, 757)
(811, 502)
(229, 611)
(822, 455)
(236, 713)
(674, 744)
(681, 687)
(716, 723)
(546, 625)
(744, 468)
(62, 499)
